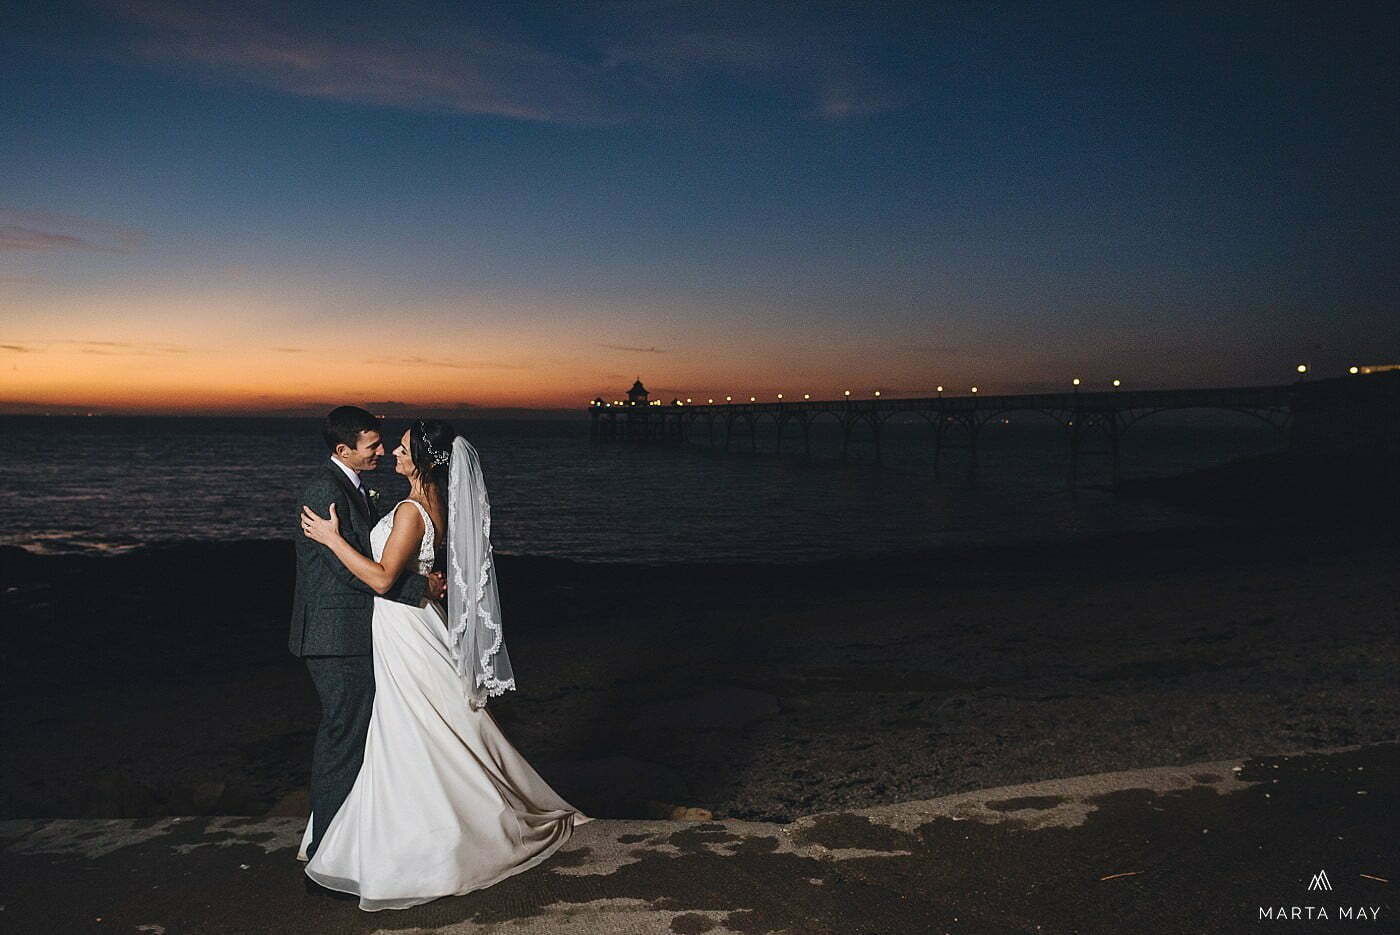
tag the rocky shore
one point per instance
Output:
(157, 682)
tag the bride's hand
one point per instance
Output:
(324, 531)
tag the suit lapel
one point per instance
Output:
(356, 500)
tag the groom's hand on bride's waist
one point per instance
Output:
(437, 586)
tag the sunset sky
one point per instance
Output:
(224, 206)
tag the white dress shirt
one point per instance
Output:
(350, 472)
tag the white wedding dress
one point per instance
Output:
(443, 804)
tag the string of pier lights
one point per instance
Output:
(806, 396)
(1303, 370)
(877, 393)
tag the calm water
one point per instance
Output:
(112, 483)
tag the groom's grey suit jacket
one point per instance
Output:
(331, 608)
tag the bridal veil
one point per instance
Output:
(473, 605)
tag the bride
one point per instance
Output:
(442, 804)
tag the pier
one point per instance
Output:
(1355, 410)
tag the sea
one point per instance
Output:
(109, 484)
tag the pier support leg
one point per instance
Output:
(972, 431)
(1115, 433)
(937, 449)
(1073, 455)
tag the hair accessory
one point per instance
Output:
(439, 457)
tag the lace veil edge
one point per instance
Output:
(475, 639)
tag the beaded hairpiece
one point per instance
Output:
(439, 457)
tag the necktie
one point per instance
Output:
(364, 498)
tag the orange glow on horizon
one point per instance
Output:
(126, 377)
(299, 346)
(160, 348)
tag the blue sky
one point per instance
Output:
(524, 204)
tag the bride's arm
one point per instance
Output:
(399, 551)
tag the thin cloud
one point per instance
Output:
(486, 62)
(128, 347)
(175, 348)
(417, 65)
(450, 364)
(634, 350)
(290, 350)
(14, 237)
(102, 348)
(42, 232)
(842, 101)
(785, 55)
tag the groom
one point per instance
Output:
(331, 611)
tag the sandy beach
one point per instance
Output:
(158, 683)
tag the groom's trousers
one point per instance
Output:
(345, 685)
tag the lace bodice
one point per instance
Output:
(379, 535)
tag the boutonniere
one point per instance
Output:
(373, 495)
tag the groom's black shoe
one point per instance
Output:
(315, 888)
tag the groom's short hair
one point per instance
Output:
(344, 425)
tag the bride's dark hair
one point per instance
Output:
(430, 447)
